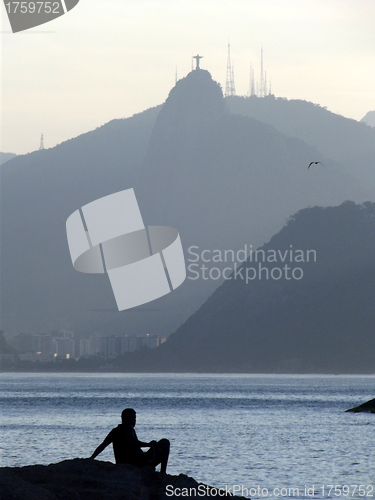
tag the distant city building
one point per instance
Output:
(114, 345)
(44, 343)
(66, 333)
(95, 343)
(88, 346)
(150, 341)
(64, 348)
(84, 348)
(25, 342)
(28, 356)
(65, 345)
(135, 343)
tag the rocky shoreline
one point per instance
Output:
(86, 479)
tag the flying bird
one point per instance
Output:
(315, 163)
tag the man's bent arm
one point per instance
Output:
(133, 440)
(108, 440)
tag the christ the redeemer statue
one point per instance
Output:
(197, 58)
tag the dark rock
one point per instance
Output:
(85, 479)
(369, 406)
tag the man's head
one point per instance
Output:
(128, 416)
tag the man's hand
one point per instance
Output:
(152, 443)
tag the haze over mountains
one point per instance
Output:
(4, 157)
(196, 164)
(369, 118)
(40, 290)
(346, 141)
(320, 319)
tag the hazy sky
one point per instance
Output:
(110, 59)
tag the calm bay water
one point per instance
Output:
(261, 431)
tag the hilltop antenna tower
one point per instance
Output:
(265, 83)
(251, 90)
(229, 83)
(249, 87)
(41, 142)
(261, 80)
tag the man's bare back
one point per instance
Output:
(128, 449)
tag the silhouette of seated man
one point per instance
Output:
(127, 447)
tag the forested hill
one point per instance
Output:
(349, 142)
(316, 317)
(221, 179)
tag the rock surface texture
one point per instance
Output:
(85, 479)
(369, 407)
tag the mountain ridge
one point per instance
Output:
(221, 179)
(369, 119)
(322, 323)
(346, 141)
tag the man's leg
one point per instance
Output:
(161, 454)
(162, 448)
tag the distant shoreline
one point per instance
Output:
(190, 372)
